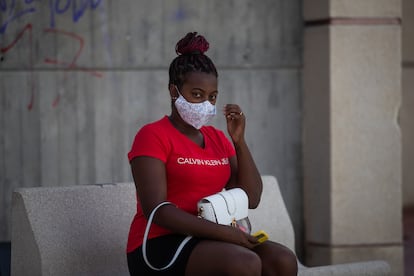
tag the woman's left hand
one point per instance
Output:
(235, 122)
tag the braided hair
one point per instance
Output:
(191, 58)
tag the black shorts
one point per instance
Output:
(160, 251)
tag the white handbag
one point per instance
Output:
(229, 207)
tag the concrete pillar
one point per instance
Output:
(352, 141)
(407, 107)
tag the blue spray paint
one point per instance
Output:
(78, 8)
(9, 8)
(10, 11)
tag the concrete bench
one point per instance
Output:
(82, 230)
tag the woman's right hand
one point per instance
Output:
(237, 236)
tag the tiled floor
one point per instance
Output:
(409, 241)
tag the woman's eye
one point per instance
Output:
(197, 95)
(213, 97)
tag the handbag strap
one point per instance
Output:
(144, 241)
(231, 204)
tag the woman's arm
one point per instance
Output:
(244, 171)
(150, 181)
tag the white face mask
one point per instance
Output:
(195, 114)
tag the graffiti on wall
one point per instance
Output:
(11, 10)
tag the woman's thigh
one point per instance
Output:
(276, 259)
(219, 258)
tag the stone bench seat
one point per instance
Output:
(82, 230)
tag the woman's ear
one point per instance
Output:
(173, 91)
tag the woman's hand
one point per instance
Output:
(235, 122)
(237, 236)
(244, 171)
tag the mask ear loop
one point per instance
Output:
(178, 91)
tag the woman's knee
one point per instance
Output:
(242, 262)
(288, 261)
(278, 260)
(246, 263)
(212, 258)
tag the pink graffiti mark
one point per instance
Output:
(5, 49)
(69, 65)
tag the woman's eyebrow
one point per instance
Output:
(202, 90)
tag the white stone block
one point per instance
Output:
(325, 9)
(407, 131)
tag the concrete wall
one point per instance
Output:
(77, 82)
(407, 107)
(352, 139)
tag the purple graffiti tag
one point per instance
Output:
(9, 8)
(3, 5)
(62, 9)
(78, 12)
(79, 7)
(10, 11)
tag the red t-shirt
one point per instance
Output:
(192, 172)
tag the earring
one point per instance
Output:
(174, 98)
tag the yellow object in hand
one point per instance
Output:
(261, 236)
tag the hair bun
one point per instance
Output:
(191, 44)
